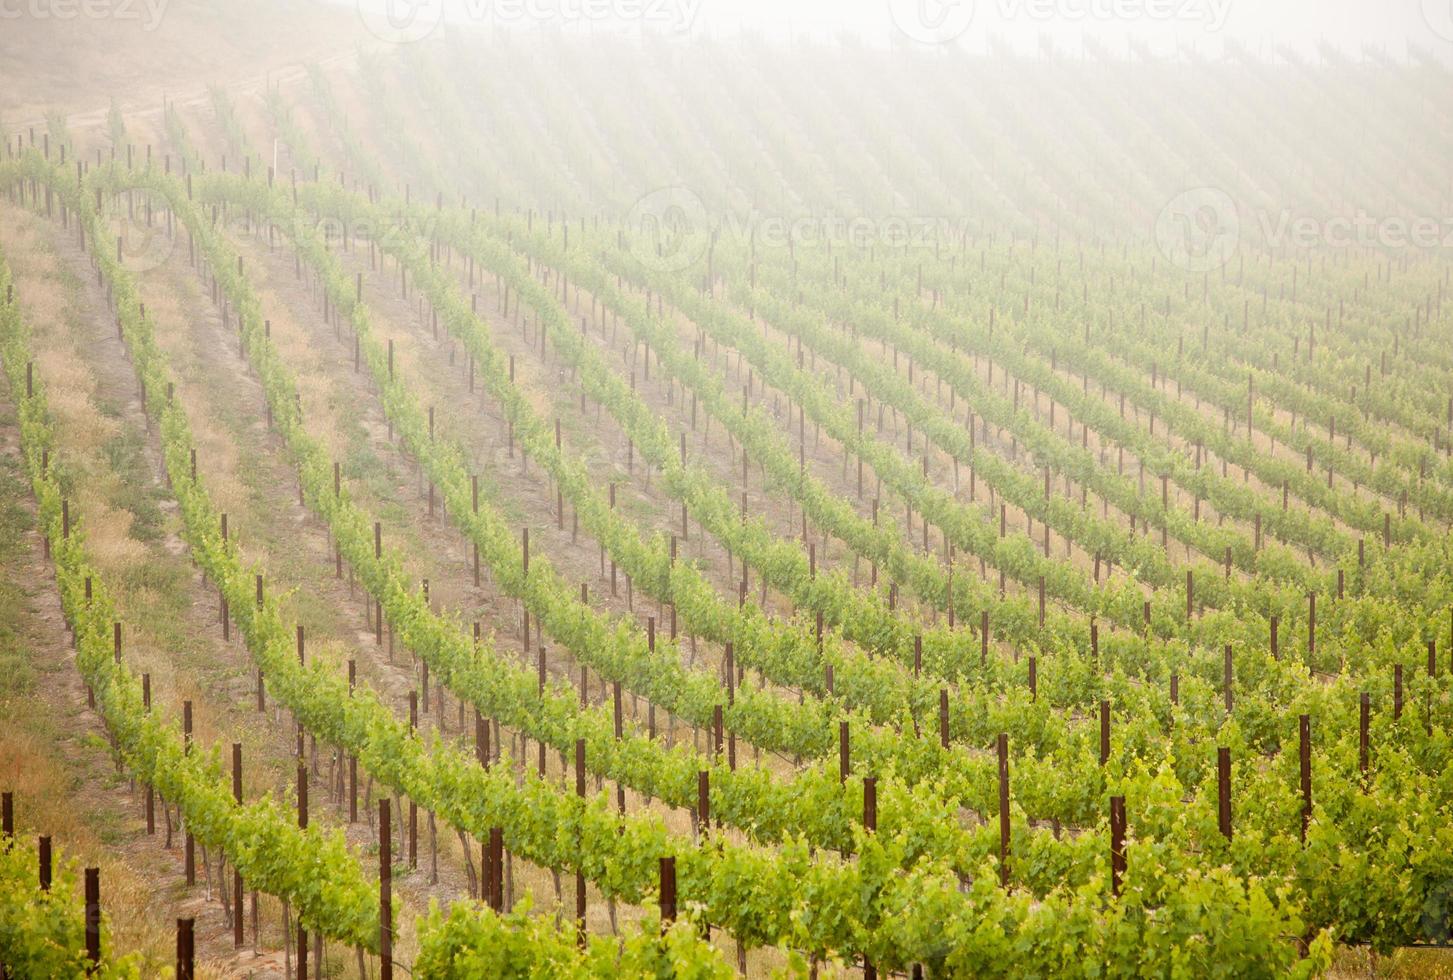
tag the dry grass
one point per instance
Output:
(172, 310)
(1421, 963)
(67, 382)
(108, 534)
(320, 397)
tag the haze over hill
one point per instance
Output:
(67, 60)
(683, 488)
(1163, 27)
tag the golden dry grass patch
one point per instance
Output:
(81, 429)
(205, 729)
(69, 386)
(25, 247)
(28, 769)
(217, 455)
(218, 458)
(108, 532)
(218, 969)
(1426, 963)
(320, 400)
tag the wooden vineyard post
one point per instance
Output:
(150, 790)
(619, 732)
(43, 872)
(842, 748)
(1311, 625)
(983, 637)
(237, 875)
(352, 759)
(731, 676)
(1104, 732)
(703, 800)
(189, 844)
(7, 818)
(579, 874)
(943, 717)
(93, 916)
(1223, 791)
(1117, 844)
(1397, 691)
(1304, 754)
(385, 892)
(487, 872)
(186, 950)
(497, 862)
(1002, 745)
(870, 803)
(1275, 651)
(668, 892)
(413, 807)
(303, 825)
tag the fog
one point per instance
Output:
(1161, 26)
(1285, 124)
(767, 408)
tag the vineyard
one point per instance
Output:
(416, 559)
